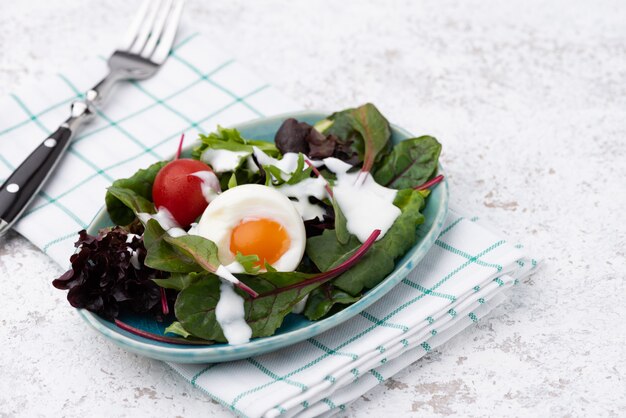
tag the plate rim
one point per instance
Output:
(210, 353)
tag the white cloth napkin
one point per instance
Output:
(459, 281)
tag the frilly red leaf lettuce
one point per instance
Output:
(102, 278)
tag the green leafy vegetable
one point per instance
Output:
(177, 329)
(410, 163)
(279, 292)
(131, 200)
(322, 300)
(231, 140)
(140, 184)
(232, 182)
(326, 251)
(341, 224)
(248, 262)
(279, 177)
(362, 132)
(200, 249)
(195, 305)
(162, 255)
(178, 281)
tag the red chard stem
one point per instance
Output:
(164, 307)
(430, 183)
(157, 337)
(180, 146)
(346, 265)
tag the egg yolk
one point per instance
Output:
(262, 237)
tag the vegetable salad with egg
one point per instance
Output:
(225, 244)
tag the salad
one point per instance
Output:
(224, 245)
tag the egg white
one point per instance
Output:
(249, 202)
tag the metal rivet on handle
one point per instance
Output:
(13, 188)
(50, 142)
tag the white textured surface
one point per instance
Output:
(529, 100)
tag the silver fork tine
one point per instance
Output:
(131, 33)
(159, 23)
(169, 33)
(145, 28)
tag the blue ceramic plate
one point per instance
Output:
(295, 328)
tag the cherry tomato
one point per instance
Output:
(179, 192)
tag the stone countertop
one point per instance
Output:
(529, 101)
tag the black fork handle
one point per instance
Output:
(25, 182)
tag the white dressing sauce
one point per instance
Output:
(366, 204)
(310, 187)
(298, 308)
(165, 219)
(224, 272)
(134, 258)
(193, 229)
(130, 236)
(222, 160)
(251, 165)
(314, 186)
(287, 164)
(235, 267)
(230, 314)
(210, 185)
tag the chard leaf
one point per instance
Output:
(326, 251)
(341, 224)
(140, 184)
(195, 305)
(411, 163)
(177, 329)
(231, 140)
(203, 251)
(178, 281)
(163, 256)
(322, 300)
(131, 200)
(363, 135)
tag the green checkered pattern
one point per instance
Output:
(464, 275)
(198, 87)
(460, 280)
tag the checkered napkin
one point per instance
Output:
(458, 282)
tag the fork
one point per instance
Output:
(144, 48)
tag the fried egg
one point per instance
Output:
(255, 220)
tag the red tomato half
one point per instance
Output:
(180, 193)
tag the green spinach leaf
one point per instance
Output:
(163, 256)
(195, 305)
(185, 254)
(411, 163)
(179, 281)
(322, 300)
(140, 184)
(326, 251)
